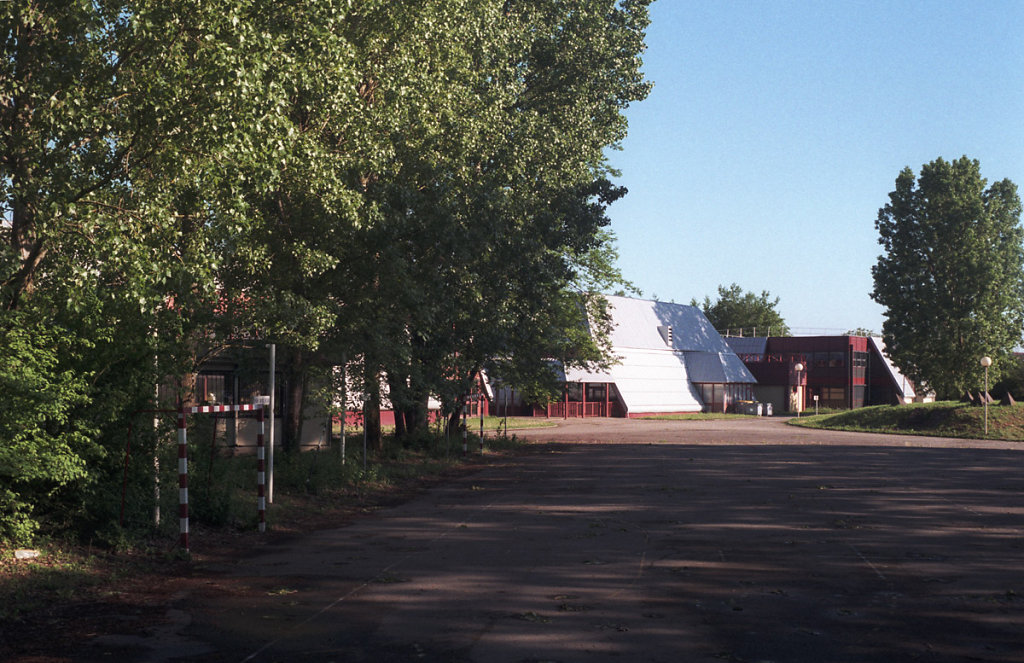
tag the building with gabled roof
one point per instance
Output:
(670, 360)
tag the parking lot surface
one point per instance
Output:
(743, 540)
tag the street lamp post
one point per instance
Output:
(986, 362)
(799, 394)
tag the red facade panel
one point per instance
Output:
(835, 368)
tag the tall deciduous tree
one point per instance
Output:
(122, 122)
(492, 208)
(744, 312)
(420, 184)
(951, 277)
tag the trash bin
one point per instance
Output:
(767, 409)
(752, 408)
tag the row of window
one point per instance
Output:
(812, 360)
(596, 392)
(219, 389)
(826, 359)
(718, 397)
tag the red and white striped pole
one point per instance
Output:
(182, 480)
(261, 476)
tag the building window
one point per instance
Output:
(596, 392)
(860, 363)
(833, 396)
(211, 389)
(720, 397)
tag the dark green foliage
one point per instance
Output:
(951, 277)
(419, 187)
(43, 445)
(743, 313)
(1012, 379)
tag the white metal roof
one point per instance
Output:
(718, 367)
(748, 345)
(900, 382)
(648, 381)
(657, 368)
(638, 321)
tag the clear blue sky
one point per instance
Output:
(776, 130)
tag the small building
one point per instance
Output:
(232, 379)
(670, 360)
(839, 372)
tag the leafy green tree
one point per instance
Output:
(484, 222)
(951, 277)
(118, 193)
(739, 312)
(419, 185)
(42, 447)
(1012, 379)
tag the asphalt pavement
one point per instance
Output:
(742, 540)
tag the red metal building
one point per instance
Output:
(839, 372)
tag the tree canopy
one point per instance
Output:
(951, 275)
(743, 313)
(419, 187)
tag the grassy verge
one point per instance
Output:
(312, 490)
(492, 424)
(942, 419)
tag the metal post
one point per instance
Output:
(799, 402)
(261, 475)
(344, 403)
(465, 431)
(182, 480)
(986, 362)
(156, 460)
(270, 445)
(986, 400)
(156, 442)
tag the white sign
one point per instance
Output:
(261, 400)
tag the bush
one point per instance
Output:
(41, 443)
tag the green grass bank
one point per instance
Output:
(942, 419)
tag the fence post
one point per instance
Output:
(182, 480)
(261, 474)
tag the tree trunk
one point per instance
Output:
(295, 395)
(416, 417)
(401, 433)
(371, 410)
(398, 399)
(455, 420)
(187, 389)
